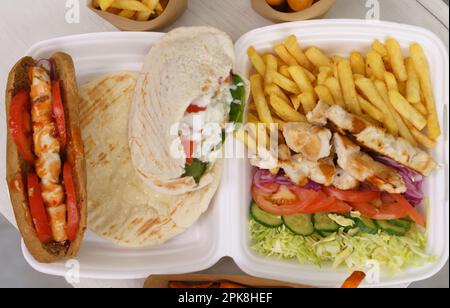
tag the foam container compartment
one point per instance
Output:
(223, 229)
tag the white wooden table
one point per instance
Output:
(26, 22)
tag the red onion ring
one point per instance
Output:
(48, 65)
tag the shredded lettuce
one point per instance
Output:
(341, 249)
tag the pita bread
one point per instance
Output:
(182, 67)
(121, 207)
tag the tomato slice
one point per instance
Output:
(195, 109)
(399, 208)
(412, 212)
(58, 113)
(19, 123)
(303, 199)
(340, 208)
(321, 205)
(366, 209)
(73, 215)
(37, 209)
(352, 195)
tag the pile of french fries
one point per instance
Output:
(384, 87)
(139, 10)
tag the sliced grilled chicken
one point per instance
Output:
(376, 139)
(363, 168)
(312, 142)
(47, 148)
(299, 169)
(344, 181)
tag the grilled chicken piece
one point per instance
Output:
(47, 148)
(318, 116)
(299, 169)
(312, 142)
(376, 139)
(363, 168)
(344, 181)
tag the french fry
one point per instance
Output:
(159, 9)
(271, 66)
(413, 83)
(348, 87)
(369, 71)
(370, 109)
(301, 79)
(358, 63)
(421, 138)
(396, 59)
(318, 58)
(402, 88)
(324, 73)
(285, 111)
(367, 87)
(127, 14)
(256, 82)
(251, 118)
(257, 61)
(284, 70)
(105, 4)
(335, 88)
(375, 62)
(132, 5)
(402, 127)
(380, 48)
(274, 89)
(407, 111)
(324, 95)
(423, 70)
(294, 48)
(308, 101)
(310, 75)
(390, 81)
(284, 54)
(295, 101)
(336, 59)
(382, 89)
(358, 76)
(285, 83)
(421, 108)
(144, 16)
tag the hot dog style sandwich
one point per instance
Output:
(45, 157)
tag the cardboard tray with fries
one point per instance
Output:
(224, 229)
(172, 10)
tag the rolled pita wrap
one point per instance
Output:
(183, 99)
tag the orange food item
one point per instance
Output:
(298, 5)
(275, 2)
(354, 281)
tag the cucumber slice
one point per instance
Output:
(323, 223)
(325, 233)
(402, 223)
(266, 219)
(390, 228)
(300, 224)
(366, 225)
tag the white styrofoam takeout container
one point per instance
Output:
(223, 230)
